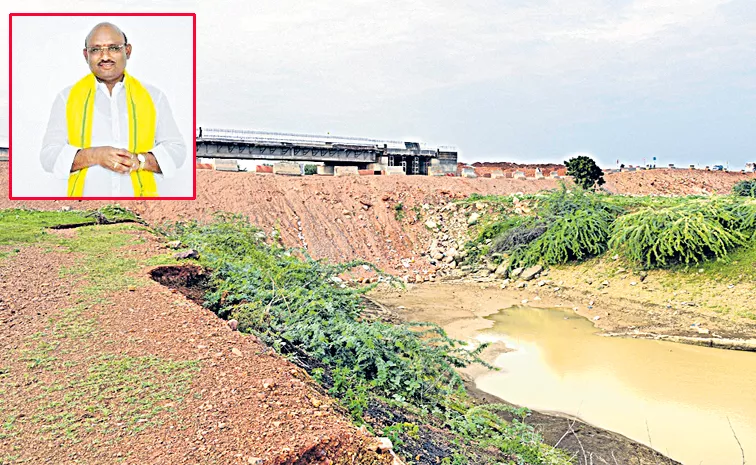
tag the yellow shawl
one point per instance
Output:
(142, 124)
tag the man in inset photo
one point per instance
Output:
(111, 135)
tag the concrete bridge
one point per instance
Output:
(366, 154)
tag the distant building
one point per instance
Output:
(750, 167)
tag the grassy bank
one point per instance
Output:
(559, 227)
(56, 383)
(398, 380)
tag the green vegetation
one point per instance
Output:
(687, 233)
(298, 307)
(309, 170)
(112, 393)
(19, 226)
(70, 391)
(104, 266)
(745, 188)
(399, 211)
(652, 232)
(585, 172)
(28, 226)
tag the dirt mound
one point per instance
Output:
(673, 182)
(377, 218)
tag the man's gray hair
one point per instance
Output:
(118, 29)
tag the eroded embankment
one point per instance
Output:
(99, 364)
(376, 218)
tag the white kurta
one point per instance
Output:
(110, 127)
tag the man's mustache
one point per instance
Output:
(106, 61)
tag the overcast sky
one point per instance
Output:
(502, 80)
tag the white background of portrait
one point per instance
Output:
(47, 57)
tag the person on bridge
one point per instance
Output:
(109, 134)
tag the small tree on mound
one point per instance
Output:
(585, 172)
(745, 188)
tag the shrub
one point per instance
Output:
(399, 211)
(568, 225)
(686, 233)
(576, 236)
(309, 170)
(292, 303)
(745, 188)
(584, 171)
(518, 236)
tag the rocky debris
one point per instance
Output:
(514, 274)
(174, 245)
(381, 444)
(268, 383)
(430, 224)
(473, 219)
(233, 324)
(187, 254)
(531, 272)
(501, 270)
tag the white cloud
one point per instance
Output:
(371, 66)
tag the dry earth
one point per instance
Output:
(224, 413)
(356, 217)
(100, 368)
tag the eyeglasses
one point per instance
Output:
(109, 48)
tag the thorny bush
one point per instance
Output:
(298, 306)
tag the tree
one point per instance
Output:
(309, 170)
(745, 188)
(584, 171)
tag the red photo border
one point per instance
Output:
(10, 106)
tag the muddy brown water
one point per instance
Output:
(678, 399)
(675, 398)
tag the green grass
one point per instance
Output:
(103, 265)
(115, 393)
(738, 266)
(28, 226)
(108, 393)
(505, 200)
(162, 259)
(73, 324)
(40, 355)
(20, 226)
